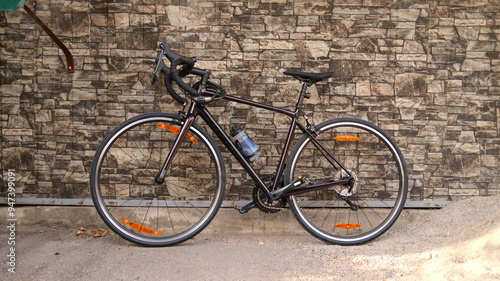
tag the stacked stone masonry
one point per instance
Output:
(428, 72)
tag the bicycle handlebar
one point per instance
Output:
(179, 60)
(203, 91)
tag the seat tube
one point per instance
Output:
(193, 112)
(281, 165)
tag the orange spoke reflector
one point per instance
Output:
(346, 138)
(176, 130)
(347, 225)
(141, 228)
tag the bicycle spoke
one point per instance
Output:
(147, 211)
(170, 218)
(187, 201)
(326, 217)
(182, 213)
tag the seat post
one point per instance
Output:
(303, 94)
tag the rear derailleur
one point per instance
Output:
(350, 189)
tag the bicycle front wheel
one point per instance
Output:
(343, 214)
(129, 200)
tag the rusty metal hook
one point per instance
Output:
(67, 53)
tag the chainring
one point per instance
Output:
(262, 203)
(261, 200)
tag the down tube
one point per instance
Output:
(208, 118)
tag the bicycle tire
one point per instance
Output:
(124, 191)
(379, 192)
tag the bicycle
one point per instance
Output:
(158, 179)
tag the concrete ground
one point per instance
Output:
(459, 242)
(253, 246)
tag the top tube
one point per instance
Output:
(290, 113)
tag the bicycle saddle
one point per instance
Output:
(308, 77)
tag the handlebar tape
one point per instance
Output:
(170, 89)
(187, 65)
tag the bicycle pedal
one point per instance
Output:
(245, 208)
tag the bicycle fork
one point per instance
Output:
(191, 116)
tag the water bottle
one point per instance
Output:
(245, 144)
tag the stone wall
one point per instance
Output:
(428, 72)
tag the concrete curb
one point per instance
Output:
(227, 220)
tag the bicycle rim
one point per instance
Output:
(138, 209)
(339, 214)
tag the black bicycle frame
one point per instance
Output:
(199, 109)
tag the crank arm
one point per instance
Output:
(275, 195)
(245, 208)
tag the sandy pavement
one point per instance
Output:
(459, 242)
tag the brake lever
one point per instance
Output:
(159, 66)
(154, 80)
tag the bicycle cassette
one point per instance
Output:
(347, 191)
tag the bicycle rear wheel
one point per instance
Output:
(129, 200)
(337, 214)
